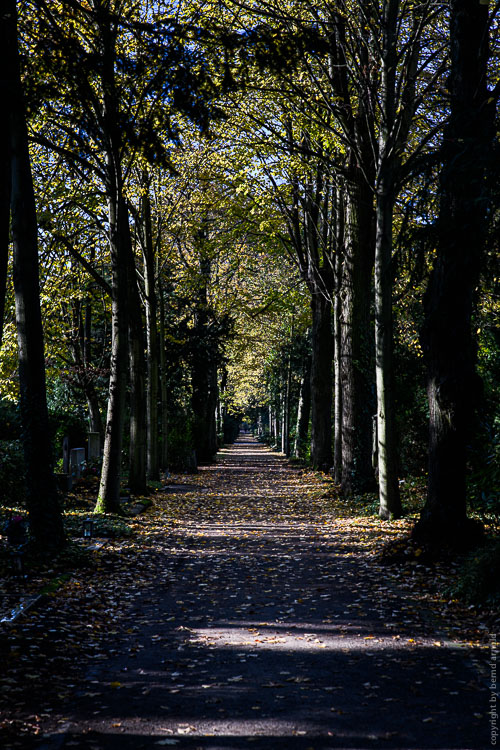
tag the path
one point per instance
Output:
(259, 625)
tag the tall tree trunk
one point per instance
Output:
(337, 371)
(108, 500)
(303, 410)
(138, 401)
(5, 172)
(95, 418)
(153, 463)
(163, 388)
(390, 502)
(447, 338)
(356, 346)
(287, 387)
(204, 375)
(321, 382)
(45, 518)
(81, 350)
(204, 402)
(127, 332)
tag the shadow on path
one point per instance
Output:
(266, 628)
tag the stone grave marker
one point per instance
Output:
(76, 460)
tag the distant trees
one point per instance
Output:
(235, 199)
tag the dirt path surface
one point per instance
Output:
(255, 619)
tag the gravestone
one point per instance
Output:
(76, 461)
(94, 445)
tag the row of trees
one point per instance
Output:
(225, 186)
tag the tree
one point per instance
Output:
(447, 339)
(123, 65)
(46, 524)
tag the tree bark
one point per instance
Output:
(138, 399)
(321, 382)
(390, 502)
(95, 418)
(287, 388)
(46, 526)
(337, 370)
(163, 388)
(5, 173)
(303, 410)
(448, 342)
(204, 376)
(153, 463)
(108, 500)
(81, 350)
(356, 362)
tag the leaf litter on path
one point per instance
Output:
(256, 592)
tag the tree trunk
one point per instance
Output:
(303, 411)
(321, 382)
(356, 362)
(81, 350)
(5, 173)
(163, 388)
(287, 387)
(337, 372)
(448, 342)
(204, 402)
(126, 318)
(138, 400)
(390, 502)
(95, 418)
(46, 526)
(108, 500)
(204, 374)
(153, 464)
